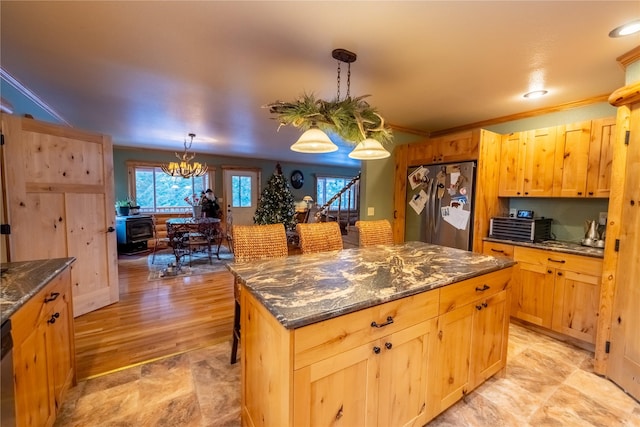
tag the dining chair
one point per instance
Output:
(319, 237)
(229, 230)
(374, 232)
(158, 241)
(251, 243)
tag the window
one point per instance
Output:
(155, 191)
(328, 186)
(240, 191)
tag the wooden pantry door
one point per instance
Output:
(624, 358)
(59, 201)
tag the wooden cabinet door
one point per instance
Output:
(453, 353)
(576, 304)
(603, 132)
(60, 342)
(341, 390)
(539, 162)
(33, 385)
(571, 160)
(59, 200)
(489, 340)
(512, 158)
(403, 376)
(533, 291)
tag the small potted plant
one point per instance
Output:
(123, 207)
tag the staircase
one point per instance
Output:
(344, 215)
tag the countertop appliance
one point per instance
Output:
(520, 229)
(440, 202)
(7, 396)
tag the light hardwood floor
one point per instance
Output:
(153, 319)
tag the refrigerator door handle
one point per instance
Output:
(437, 214)
(432, 203)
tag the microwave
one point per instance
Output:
(520, 229)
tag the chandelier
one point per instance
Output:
(185, 168)
(352, 119)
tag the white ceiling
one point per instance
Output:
(149, 72)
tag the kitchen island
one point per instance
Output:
(35, 296)
(386, 335)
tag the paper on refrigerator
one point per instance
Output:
(418, 201)
(457, 217)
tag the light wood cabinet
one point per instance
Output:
(603, 132)
(527, 163)
(572, 160)
(381, 366)
(471, 341)
(44, 355)
(558, 291)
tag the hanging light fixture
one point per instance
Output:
(352, 119)
(185, 168)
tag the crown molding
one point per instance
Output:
(27, 93)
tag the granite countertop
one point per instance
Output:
(22, 280)
(303, 289)
(555, 246)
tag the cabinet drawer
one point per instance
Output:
(497, 249)
(40, 307)
(569, 262)
(468, 291)
(330, 337)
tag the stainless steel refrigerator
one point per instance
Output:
(440, 201)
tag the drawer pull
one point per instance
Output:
(54, 316)
(54, 296)
(388, 345)
(478, 307)
(483, 288)
(500, 251)
(376, 350)
(388, 322)
(561, 261)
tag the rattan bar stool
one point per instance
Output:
(319, 237)
(250, 243)
(377, 232)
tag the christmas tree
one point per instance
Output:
(276, 204)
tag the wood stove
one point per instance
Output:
(132, 232)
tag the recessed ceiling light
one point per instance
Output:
(626, 29)
(535, 94)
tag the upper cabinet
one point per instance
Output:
(564, 161)
(526, 163)
(603, 133)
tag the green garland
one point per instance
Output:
(353, 119)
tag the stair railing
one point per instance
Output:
(323, 211)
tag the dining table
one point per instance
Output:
(181, 232)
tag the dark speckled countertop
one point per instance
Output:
(22, 280)
(303, 289)
(556, 246)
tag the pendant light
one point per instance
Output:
(369, 149)
(313, 140)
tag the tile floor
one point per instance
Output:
(547, 383)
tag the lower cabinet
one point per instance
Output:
(471, 341)
(555, 290)
(43, 353)
(396, 364)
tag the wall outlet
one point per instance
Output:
(602, 218)
(370, 211)
(513, 212)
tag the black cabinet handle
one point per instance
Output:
(388, 322)
(485, 305)
(559, 273)
(579, 193)
(561, 261)
(549, 271)
(54, 316)
(591, 193)
(388, 345)
(376, 350)
(53, 297)
(478, 307)
(483, 288)
(110, 230)
(500, 251)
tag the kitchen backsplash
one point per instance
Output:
(568, 215)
